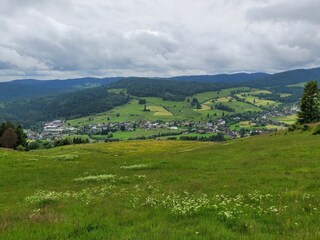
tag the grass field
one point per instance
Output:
(243, 124)
(264, 187)
(283, 95)
(132, 111)
(287, 119)
(203, 97)
(302, 84)
(141, 132)
(159, 111)
(248, 97)
(251, 126)
(239, 107)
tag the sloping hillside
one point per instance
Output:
(264, 187)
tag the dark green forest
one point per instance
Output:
(165, 89)
(68, 105)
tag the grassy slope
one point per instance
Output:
(251, 97)
(287, 119)
(302, 84)
(169, 110)
(285, 166)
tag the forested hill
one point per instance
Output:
(287, 78)
(165, 89)
(31, 101)
(67, 105)
(223, 78)
(29, 88)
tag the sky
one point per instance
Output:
(47, 39)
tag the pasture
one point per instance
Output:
(263, 187)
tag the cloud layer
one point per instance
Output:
(70, 38)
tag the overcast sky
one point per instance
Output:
(48, 39)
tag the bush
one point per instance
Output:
(21, 148)
(292, 128)
(316, 131)
(33, 145)
(305, 127)
(172, 138)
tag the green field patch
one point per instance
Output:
(159, 111)
(274, 127)
(286, 119)
(125, 135)
(238, 106)
(203, 97)
(223, 99)
(283, 95)
(243, 124)
(302, 84)
(204, 107)
(257, 101)
(258, 92)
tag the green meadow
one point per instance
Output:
(287, 119)
(263, 187)
(172, 110)
(302, 84)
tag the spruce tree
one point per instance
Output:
(309, 106)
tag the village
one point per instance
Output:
(59, 129)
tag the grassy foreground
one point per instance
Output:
(264, 187)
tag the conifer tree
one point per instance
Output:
(309, 106)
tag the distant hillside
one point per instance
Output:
(67, 105)
(31, 101)
(287, 78)
(223, 78)
(29, 88)
(164, 88)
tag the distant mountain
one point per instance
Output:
(31, 101)
(28, 88)
(287, 78)
(222, 78)
(257, 79)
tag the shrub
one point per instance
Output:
(316, 131)
(33, 145)
(292, 128)
(305, 127)
(21, 148)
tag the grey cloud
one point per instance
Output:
(65, 38)
(294, 10)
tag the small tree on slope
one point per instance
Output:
(309, 106)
